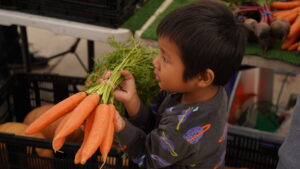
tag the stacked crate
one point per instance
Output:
(108, 13)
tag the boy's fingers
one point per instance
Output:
(120, 95)
(119, 123)
(126, 74)
(106, 75)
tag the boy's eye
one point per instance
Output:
(164, 58)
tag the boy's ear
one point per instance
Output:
(206, 78)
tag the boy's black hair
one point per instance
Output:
(208, 36)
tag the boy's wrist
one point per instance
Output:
(133, 105)
(119, 123)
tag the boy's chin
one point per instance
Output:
(162, 88)
(165, 88)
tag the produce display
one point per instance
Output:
(277, 20)
(266, 28)
(94, 108)
(268, 49)
(289, 11)
(19, 130)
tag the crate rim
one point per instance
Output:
(255, 134)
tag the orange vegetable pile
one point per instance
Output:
(289, 11)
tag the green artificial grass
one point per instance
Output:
(150, 33)
(140, 17)
(275, 53)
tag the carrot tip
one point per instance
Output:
(83, 161)
(27, 131)
(102, 165)
(58, 151)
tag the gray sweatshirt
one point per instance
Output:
(289, 152)
(168, 134)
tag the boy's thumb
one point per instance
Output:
(126, 74)
(120, 95)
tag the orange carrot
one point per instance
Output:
(97, 133)
(288, 42)
(78, 115)
(87, 128)
(55, 112)
(294, 46)
(280, 14)
(288, 15)
(107, 142)
(295, 28)
(57, 144)
(291, 17)
(285, 5)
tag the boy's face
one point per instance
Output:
(169, 67)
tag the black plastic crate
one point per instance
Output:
(109, 13)
(251, 148)
(8, 4)
(5, 102)
(22, 93)
(245, 147)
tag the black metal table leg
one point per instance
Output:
(91, 54)
(25, 49)
(27, 59)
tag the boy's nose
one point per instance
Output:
(154, 62)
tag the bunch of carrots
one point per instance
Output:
(81, 108)
(289, 11)
(86, 108)
(93, 108)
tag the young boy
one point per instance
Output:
(201, 45)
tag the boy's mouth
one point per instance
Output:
(156, 76)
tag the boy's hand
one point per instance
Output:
(119, 123)
(127, 88)
(126, 93)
